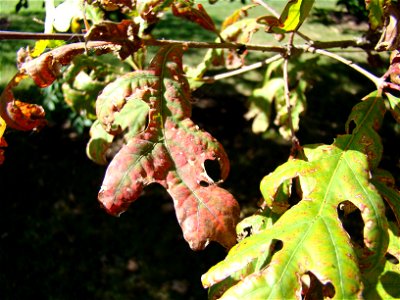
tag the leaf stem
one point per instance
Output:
(376, 80)
(295, 141)
(243, 69)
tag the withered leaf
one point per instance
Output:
(124, 33)
(45, 69)
(171, 151)
(197, 15)
(20, 115)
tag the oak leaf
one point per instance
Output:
(197, 15)
(171, 151)
(309, 239)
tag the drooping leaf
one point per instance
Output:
(20, 115)
(271, 97)
(291, 18)
(310, 234)
(171, 151)
(261, 101)
(45, 69)
(385, 184)
(99, 143)
(86, 77)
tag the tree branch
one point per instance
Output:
(376, 80)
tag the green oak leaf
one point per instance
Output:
(309, 240)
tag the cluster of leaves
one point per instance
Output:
(298, 244)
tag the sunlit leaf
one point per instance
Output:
(20, 115)
(311, 238)
(99, 143)
(383, 283)
(171, 151)
(46, 68)
(42, 45)
(291, 18)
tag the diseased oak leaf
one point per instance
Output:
(171, 151)
(310, 240)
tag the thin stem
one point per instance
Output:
(295, 141)
(376, 80)
(14, 35)
(243, 69)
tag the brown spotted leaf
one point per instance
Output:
(197, 15)
(124, 33)
(171, 151)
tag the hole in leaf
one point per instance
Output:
(276, 245)
(204, 183)
(352, 221)
(295, 192)
(351, 126)
(391, 258)
(213, 169)
(312, 288)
